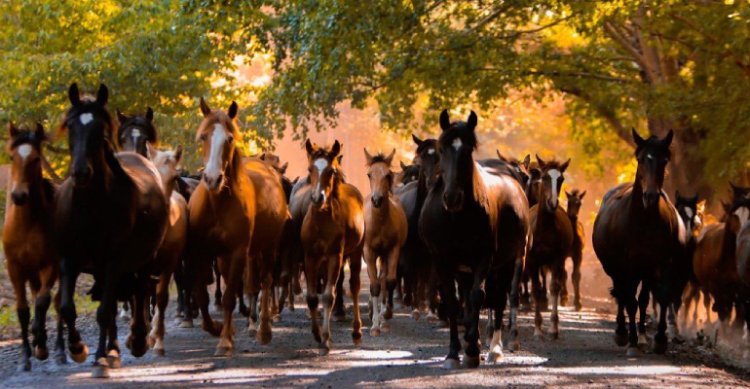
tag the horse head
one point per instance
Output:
(325, 172)
(552, 175)
(217, 133)
(652, 155)
(136, 131)
(380, 175)
(25, 149)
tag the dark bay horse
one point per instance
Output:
(475, 225)
(169, 255)
(637, 239)
(30, 253)
(408, 173)
(415, 265)
(575, 200)
(110, 218)
(221, 221)
(332, 230)
(689, 210)
(743, 270)
(551, 243)
(385, 234)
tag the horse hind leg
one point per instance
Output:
(311, 278)
(576, 278)
(41, 306)
(355, 267)
(563, 286)
(558, 277)
(265, 335)
(77, 348)
(334, 264)
(496, 340)
(217, 293)
(339, 312)
(643, 300)
(375, 290)
(156, 338)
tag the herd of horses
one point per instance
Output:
(448, 235)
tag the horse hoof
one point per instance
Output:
(621, 340)
(325, 349)
(264, 337)
(388, 314)
(643, 340)
(385, 326)
(632, 352)
(442, 324)
(538, 334)
(159, 352)
(357, 338)
(151, 341)
(215, 329)
(80, 356)
(515, 345)
(25, 366)
(564, 301)
(188, 323)
(41, 353)
(223, 352)
(493, 357)
(101, 369)
(114, 361)
(470, 362)
(660, 347)
(276, 318)
(432, 318)
(415, 314)
(375, 331)
(339, 317)
(555, 335)
(451, 364)
(60, 357)
(578, 306)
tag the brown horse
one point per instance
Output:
(222, 217)
(385, 234)
(552, 241)
(271, 215)
(27, 240)
(172, 247)
(575, 199)
(639, 238)
(333, 230)
(110, 218)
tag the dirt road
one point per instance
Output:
(410, 355)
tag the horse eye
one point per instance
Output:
(230, 139)
(369, 175)
(202, 137)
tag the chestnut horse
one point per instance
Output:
(575, 200)
(221, 221)
(173, 246)
(332, 231)
(475, 225)
(638, 239)
(743, 270)
(30, 253)
(551, 243)
(385, 234)
(110, 219)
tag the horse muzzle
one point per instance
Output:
(213, 182)
(650, 199)
(453, 201)
(377, 201)
(19, 197)
(551, 205)
(82, 175)
(318, 198)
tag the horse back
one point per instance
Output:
(271, 211)
(714, 261)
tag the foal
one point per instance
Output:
(552, 241)
(27, 239)
(385, 234)
(332, 230)
(172, 247)
(575, 199)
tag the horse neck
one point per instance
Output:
(636, 204)
(422, 190)
(573, 217)
(384, 211)
(235, 177)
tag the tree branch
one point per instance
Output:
(604, 111)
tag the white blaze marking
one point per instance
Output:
(86, 118)
(457, 143)
(431, 151)
(218, 138)
(24, 151)
(320, 164)
(554, 175)
(135, 134)
(649, 156)
(689, 212)
(743, 214)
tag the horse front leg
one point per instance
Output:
(391, 279)
(105, 314)
(68, 276)
(371, 259)
(557, 280)
(334, 266)
(496, 340)
(339, 311)
(60, 357)
(232, 268)
(41, 305)
(538, 293)
(355, 267)
(217, 293)
(137, 340)
(448, 297)
(311, 278)
(576, 278)
(513, 293)
(661, 340)
(643, 300)
(156, 338)
(264, 335)
(24, 316)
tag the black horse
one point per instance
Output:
(475, 225)
(110, 220)
(637, 239)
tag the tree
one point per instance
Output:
(663, 65)
(149, 53)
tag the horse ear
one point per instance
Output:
(205, 109)
(283, 168)
(336, 148)
(262, 156)
(527, 161)
(445, 120)
(309, 147)
(102, 95)
(39, 134)
(500, 155)
(233, 108)
(472, 120)
(74, 95)
(389, 158)
(540, 161)
(149, 114)
(567, 194)
(583, 194)
(368, 157)
(12, 130)
(178, 154)
(121, 117)
(667, 141)
(340, 159)
(637, 138)
(417, 140)
(565, 166)
(403, 165)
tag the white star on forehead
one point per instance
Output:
(457, 143)
(86, 118)
(431, 151)
(24, 151)
(320, 164)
